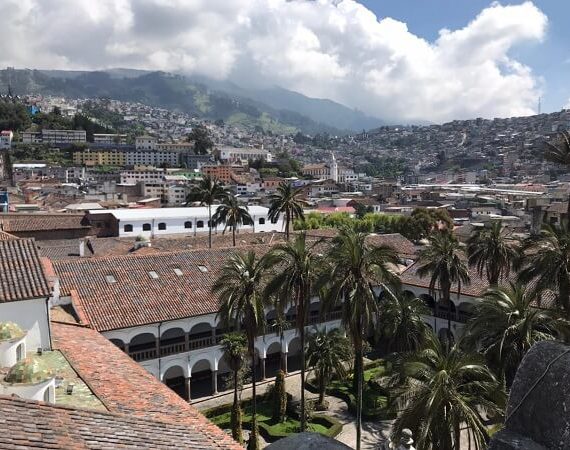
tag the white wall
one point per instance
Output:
(30, 315)
(31, 391)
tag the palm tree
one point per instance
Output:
(232, 214)
(355, 270)
(296, 273)
(208, 191)
(287, 200)
(492, 252)
(505, 326)
(235, 347)
(445, 389)
(400, 320)
(560, 154)
(546, 264)
(327, 353)
(443, 261)
(240, 290)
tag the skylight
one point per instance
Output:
(203, 269)
(152, 274)
(110, 279)
(178, 272)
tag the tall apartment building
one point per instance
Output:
(145, 143)
(54, 137)
(222, 172)
(99, 158)
(151, 158)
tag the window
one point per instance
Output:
(128, 228)
(188, 224)
(20, 352)
(200, 224)
(146, 226)
(178, 272)
(152, 274)
(46, 395)
(262, 221)
(110, 279)
(162, 226)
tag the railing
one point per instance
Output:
(455, 316)
(171, 349)
(142, 355)
(194, 344)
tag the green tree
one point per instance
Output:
(208, 191)
(239, 288)
(559, 153)
(445, 389)
(327, 353)
(293, 282)
(443, 261)
(232, 214)
(235, 348)
(505, 326)
(546, 263)
(400, 321)
(287, 201)
(492, 252)
(355, 268)
(202, 140)
(279, 397)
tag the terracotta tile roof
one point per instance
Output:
(127, 388)
(136, 298)
(7, 236)
(22, 274)
(41, 222)
(28, 424)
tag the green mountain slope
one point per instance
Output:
(164, 90)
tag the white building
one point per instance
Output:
(167, 221)
(109, 138)
(243, 154)
(63, 136)
(151, 158)
(6, 137)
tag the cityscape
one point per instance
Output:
(239, 254)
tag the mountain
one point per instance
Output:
(274, 109)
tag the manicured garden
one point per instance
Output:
(270, 429)
(375, 399)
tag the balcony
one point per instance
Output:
(152, 352)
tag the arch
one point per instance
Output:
(175, 334)
(175, 379)
(443, 306)
(162, 226)
(146, 227)
(201, 379)
(118, 342)
(142, 339)
(200, 224)
(173, 341)
(143, 346)
(294, 354)
(428, 300)
(128, 228)
(188, 224)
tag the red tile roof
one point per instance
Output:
(22, 276)
(27, 424)
(41, 222)
(7, 236)
(126, 388)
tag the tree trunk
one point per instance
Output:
(210, 226)
(564, 293)
(236, 413)
(446, 285)
(359, 374)
(303, 407)
(253, 443)
(287, 224)
(234, 234)
(457, 433)
(321, 388)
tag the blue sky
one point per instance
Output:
(549, 59)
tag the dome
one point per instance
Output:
(29, 371)
(10, 331)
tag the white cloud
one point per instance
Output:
(322, 48)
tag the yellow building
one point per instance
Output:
(99, 158)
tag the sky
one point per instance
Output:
(399, 60)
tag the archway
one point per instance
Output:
(294, 355)
(172, 341)
(445, 310)
(201, 382)
(143, 347)
(225, 374)
(175, 380)
(428, 300)
(200, 336)
(273, 359)
(119, 343)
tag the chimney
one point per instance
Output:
(81, 248)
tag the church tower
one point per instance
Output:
(334, 169)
